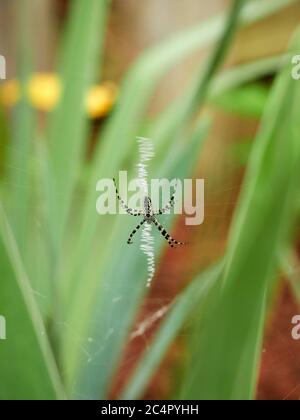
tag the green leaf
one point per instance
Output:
(27, 366)
(290, 268)
(226, 344)
(245, 73)
(68, 131)
(4, 140)
(81, 48)
(240, 151)
(227, 81)
(19, 171)
(191, 298)
(247, 101)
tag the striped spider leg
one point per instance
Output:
(168, 206)
(172, 242)
(149, 217)
(130, 241)
(130, 211)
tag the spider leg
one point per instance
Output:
(168, 206)
(135, 231)
(130, 211)
(172, 242)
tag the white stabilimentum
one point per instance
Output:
(146, 152)
(147, 247)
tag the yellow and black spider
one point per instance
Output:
(149, 216)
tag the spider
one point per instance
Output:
(149, 217)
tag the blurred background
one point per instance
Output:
(31, 41)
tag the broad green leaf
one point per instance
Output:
(81, 47)
(19, 150)
(226, 344)
(27, 366)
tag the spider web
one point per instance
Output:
(220, 205)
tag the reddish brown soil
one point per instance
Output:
(280, 370)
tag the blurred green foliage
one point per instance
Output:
(70, 289)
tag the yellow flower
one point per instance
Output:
(43, 91)
(100, 99)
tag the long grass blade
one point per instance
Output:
(23, 130)
(183, 306)
(25, 354)
(265, 215)
(81, 47)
